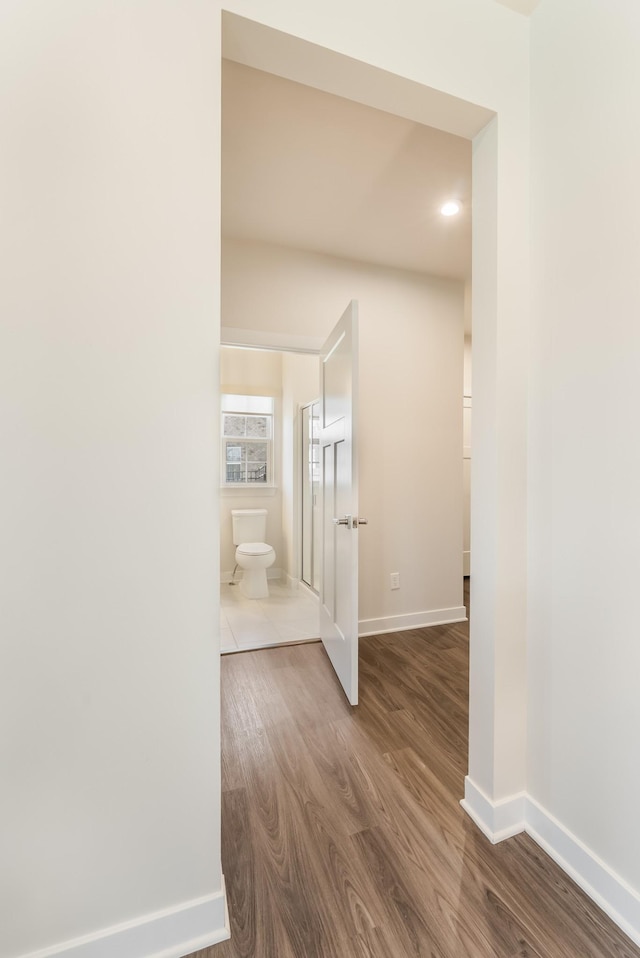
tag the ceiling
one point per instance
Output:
(312, 170)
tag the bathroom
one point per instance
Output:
(263, 395)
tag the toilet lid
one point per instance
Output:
(254, 548)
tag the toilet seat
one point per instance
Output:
(254, 549)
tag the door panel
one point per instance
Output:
(466, 479)
(339, 587)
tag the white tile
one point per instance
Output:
(230, 595)
(227, 641)
(257, 636)
(289, 609)
(243, 619)
(297, 631)
(286, 615)
(277, 590)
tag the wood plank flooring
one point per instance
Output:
(343, 836)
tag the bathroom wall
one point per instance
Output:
(410, 432)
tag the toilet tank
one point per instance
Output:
(249, 525)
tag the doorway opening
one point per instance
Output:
(411, 392)
(249, 377)
(256, 46)
(261, 456)
(497, 721)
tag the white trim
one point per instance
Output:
(518, 813)
(498, 820)
(265, 339)
(247, 492)
(227, 577)
(290, 582)
(595, 877)
(411, 620)
(171, 933)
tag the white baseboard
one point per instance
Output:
(172, 933)
(594, 876)
(498, 820)
(411, 620)
(518, 813)
(226, 577)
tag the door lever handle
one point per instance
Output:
(351, 522)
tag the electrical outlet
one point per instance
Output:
(395, 580)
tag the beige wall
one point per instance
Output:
(410, 419)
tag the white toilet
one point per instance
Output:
(253, 555)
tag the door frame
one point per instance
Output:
(280, 343)
(501, 281)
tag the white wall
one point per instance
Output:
(584, 661)
(109, 529)
(110, 172)
(410, 433)
(255, 372)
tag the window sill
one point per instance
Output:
(248, 491)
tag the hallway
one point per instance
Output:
(343, 836)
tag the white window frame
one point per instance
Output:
(245, 405)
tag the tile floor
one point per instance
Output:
(285, 616)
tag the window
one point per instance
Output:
(247, 440)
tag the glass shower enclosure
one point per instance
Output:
(310, 448)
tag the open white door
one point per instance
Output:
(339, 487)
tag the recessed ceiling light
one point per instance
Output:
(450, 208)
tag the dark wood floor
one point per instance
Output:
(343, 836)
